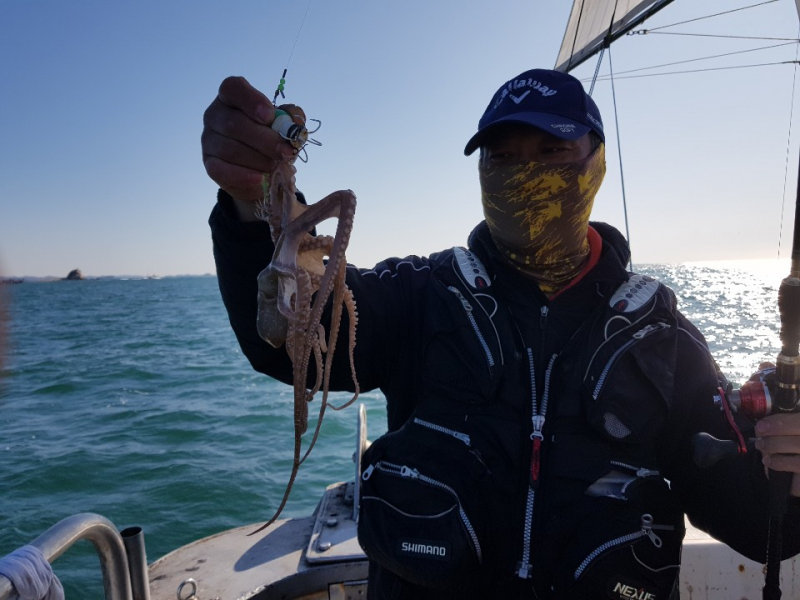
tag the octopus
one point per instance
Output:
(294, 290)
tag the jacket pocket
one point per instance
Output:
(630, 385)
(639, 560)
(624, 534)
(615, 527)
(416, 526)
(425, 497)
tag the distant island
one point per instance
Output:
(75, 275)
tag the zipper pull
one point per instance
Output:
(409, 472)
(367, 472)
(536, 455)
(543, 318)
(647, 330)
(647, 528)
(524, 570)
(646, 473)
(460, 296)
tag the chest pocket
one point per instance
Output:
(629, 383)
(464, 356)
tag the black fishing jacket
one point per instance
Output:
(551, 438)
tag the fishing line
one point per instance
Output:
(282, 83)
(788, 146)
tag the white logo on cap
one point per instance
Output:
(518, 99)
(564, 127)
(517, 84)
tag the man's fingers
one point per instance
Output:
(779, 424)
(778, 439)
(779, 444)
(240, 182)
(238, 143)
(236, 92)
(235, 152)
(783, 462)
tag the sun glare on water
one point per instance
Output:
(734, 305)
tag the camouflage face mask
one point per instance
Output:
(538, 214)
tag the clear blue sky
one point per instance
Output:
(102, 103)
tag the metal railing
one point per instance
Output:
(122, 556)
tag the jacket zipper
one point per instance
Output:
(404, 471)
(451, 432)
(462, 437)
(635, 339)
(469, 310)
(524, 567)
(646, 530)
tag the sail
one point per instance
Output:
(592, 22)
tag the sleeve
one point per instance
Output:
(388, 304)
(730, 499)
(241, 251)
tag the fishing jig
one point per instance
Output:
(297, 135)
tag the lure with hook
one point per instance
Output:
(297, 135)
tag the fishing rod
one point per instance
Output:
(787, 376)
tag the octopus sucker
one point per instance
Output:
(294, 290)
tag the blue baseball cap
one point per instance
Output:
(549, 100)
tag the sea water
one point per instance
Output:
(132, 399)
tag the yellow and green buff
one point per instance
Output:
(538, 215)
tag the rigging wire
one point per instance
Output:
(713, 56)
(709, 35)
(657, 31)
(619, 151)
(597, 69)
(785, 62)
(706, 17)
(607, 46)
(788, 145)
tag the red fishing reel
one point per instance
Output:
(753, 399)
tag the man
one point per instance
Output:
(541, 400)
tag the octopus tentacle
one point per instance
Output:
(332, 337)
(294, 290)
(350, 304)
